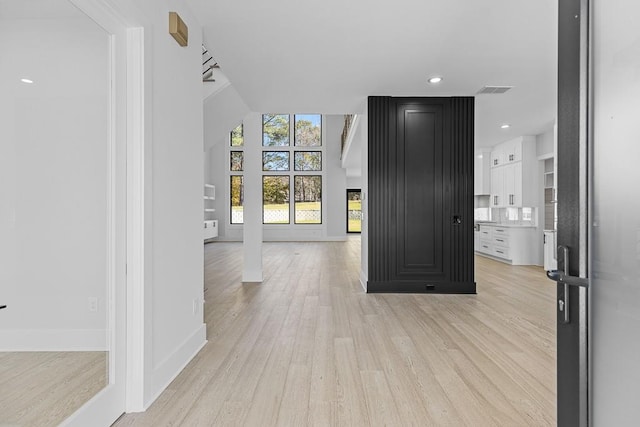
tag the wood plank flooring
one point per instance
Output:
(44, 388)
(309, 347)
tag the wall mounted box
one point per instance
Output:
(178, 29)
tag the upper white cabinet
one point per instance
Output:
(497, 187)
(514, 173)
(482, 172)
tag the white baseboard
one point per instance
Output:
(53, 340)
(287, 239)
(167, 370)
(363, 280)
(252, 276)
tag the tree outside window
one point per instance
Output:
(308, 199)
(275, 199)
(275, 130)
(308, 130)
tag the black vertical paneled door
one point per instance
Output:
(421, 195)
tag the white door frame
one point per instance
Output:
(126, 204)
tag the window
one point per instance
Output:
(237, 161)
(354, 211)
(236, 180)
(237, 199)
(275, 160)
(292, 151)
(308, 130)
(237, 137)
(308, 199)
(275, 130)
(308, 161)
(275, 199)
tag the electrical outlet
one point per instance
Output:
(93, 304)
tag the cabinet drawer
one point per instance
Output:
(501, 252)
(485, 246)
(499, 240)
(501, 231)
(485, 233)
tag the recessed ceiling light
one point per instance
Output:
(505, 126)
(434, 80)
(479, 156)
(26, 80)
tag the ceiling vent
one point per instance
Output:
(495, 90)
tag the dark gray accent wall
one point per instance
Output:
(421, 195)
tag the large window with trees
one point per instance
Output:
(291, 163)
(307, 162)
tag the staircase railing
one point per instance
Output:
(208, 65)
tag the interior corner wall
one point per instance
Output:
(175, 330)
(544, 143)
(354, 182)
(335, 196)
(223, 111)
(364, 187)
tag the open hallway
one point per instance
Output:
(309, 347)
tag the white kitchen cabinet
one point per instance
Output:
(513, 182)
(210, 229)
(509, 184)
(515, 245)
(497, 187)
(210, 224)
(476, 240)
(508, 152)
(550, 248)
(496, 157)
(482, 173)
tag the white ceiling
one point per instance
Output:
(38, 9)
(328, 56)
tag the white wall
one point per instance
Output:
(223, 111)
(174, 331)
(335, 188)
(615, 225)
(364, 252)
(544, 143)
(354, 182)
(53, 184)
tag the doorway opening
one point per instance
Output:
(354, 211)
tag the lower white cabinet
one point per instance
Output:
(515, 245)
(210, 229)
(550, 258)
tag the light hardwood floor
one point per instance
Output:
(43, 388)
(309, 347)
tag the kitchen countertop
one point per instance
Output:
(494, 224)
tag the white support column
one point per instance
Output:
(252, 234)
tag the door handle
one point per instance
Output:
(2, 306)
(564, 278)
